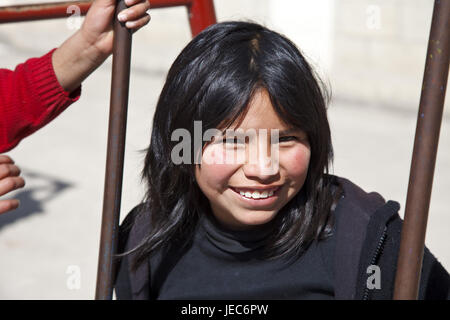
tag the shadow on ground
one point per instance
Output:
(40, 189)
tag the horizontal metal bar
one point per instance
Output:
(41, 11)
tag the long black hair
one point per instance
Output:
(212, 81)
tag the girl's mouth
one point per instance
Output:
(257, 198)
(256, 194)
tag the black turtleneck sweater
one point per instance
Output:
(222, 264)
(225, 264)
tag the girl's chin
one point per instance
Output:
(252, 219)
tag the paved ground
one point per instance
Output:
(54, 237)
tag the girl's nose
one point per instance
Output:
(263, 167)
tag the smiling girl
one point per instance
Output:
(276, 228)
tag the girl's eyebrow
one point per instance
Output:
(280, 132)
(289, 131)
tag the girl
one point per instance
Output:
(277, 228)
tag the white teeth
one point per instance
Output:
(256, 194)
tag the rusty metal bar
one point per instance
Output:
(115, 157)
(116, 145)
(54, 10)
(426, 141)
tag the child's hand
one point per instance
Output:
(97, 28)
(9, 181)
(83, 52)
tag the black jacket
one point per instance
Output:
(367, 234)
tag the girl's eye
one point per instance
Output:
(288, 138)
(233, 140)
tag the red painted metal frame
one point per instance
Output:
(201, 15)
(201, 12)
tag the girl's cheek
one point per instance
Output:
(215, 170)
(219, 155)
(296, 160)
(211, 155)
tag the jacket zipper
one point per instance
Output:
(375, 257)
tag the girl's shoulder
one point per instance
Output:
(358, 215)
(356, 205)
(358, 210)
(134, 226)
(357, 199)
(128, 283)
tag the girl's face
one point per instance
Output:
(262, 175)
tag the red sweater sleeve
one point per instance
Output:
(30, 97)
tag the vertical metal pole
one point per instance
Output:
(115, 156)
(201, 15)
(426, 141)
